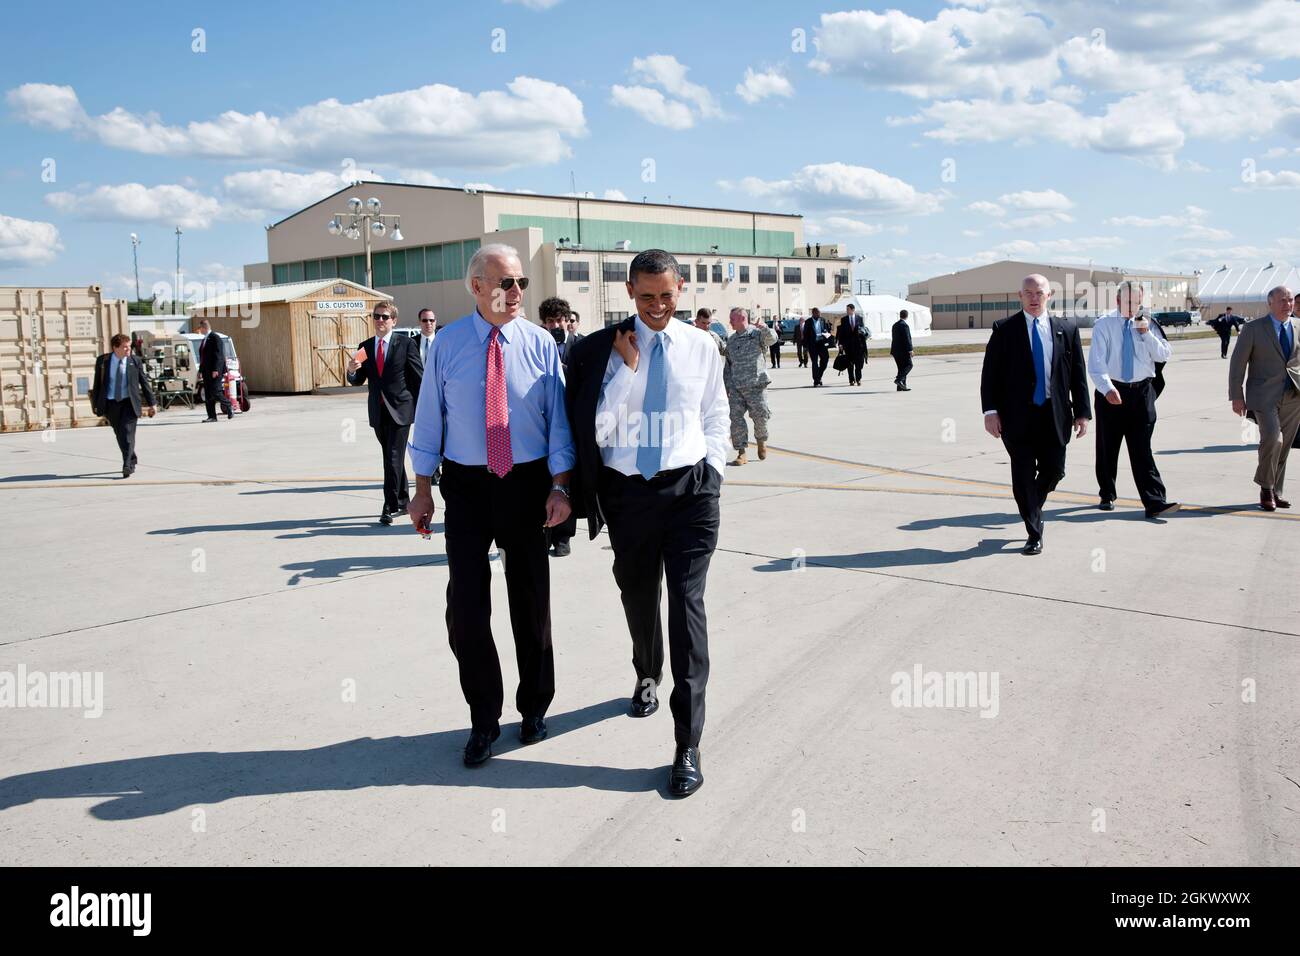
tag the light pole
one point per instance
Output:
(176, 295)
(363, 221)
(135, 257)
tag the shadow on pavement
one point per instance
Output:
(351, 526)
(148, 786)
(329, 568)
(902, 558)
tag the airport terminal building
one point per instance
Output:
(976, 298)
(576, 248)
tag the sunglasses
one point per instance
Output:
(423, 321)
(382, 315)
(510, 281)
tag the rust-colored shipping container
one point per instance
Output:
(49, 340)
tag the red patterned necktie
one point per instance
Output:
(379, 356)
(499, 458)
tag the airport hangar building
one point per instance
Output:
(573, 247)
(976, 298)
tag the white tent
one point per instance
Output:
(880, 312)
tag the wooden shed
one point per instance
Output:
(293, 337)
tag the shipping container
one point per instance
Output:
(49, 341)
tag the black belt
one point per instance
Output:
(518, 464)
(673, 473)
(1140, 382)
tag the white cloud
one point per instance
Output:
(1041, 220)
(991, 52)
(169, 205)
(535, 4)
(420, 177)
(833, 226)
(1266, 179)
(1046, 199)
(652, 106)
(614, 194)
(692, 101)
(759, 86)
(276, 189)
(663, 70)
(1190, 224)
(528, 123)
(844, 188)
(27, 242)
(987, 208)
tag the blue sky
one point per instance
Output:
(926, 137)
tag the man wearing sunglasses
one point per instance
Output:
(428, 327)
(393, 370)
(491, 411)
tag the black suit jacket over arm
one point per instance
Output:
(395, 393)
(588, 360)
(1008, 379)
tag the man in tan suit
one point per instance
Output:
(1267, 361)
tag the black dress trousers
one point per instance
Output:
(1037, 465)
(121, 415)
(1132, 422)
(392, 439)
(904, 365)
(480, 509)
(665, 529)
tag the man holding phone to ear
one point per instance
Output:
(491, 410)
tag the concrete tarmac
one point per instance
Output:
(278, 689)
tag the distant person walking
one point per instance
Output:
(900, 347)
(1224, 323)
(703, 319)
(1264, 377)
(852, 337)
(817, 339)
(212, 369)
(746, 382)
(801, 353)
(774, 350)
(120, 392)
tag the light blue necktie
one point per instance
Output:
(650, 453)
(1040, 367)
(1286, 340)
(1129, 353)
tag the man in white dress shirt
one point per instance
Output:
(650, 422)
(1122, 365)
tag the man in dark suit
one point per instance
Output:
(1224, 323)
(852, 337)
(1034, 386)
(120, 392)
(900, 347)
(212, 370)
(555, 316)
(393, 370)
(650, 420)
(801, 352)
(816, 341)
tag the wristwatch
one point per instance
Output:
(562, 489)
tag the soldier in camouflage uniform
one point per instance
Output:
(702, 322)
(745, 375)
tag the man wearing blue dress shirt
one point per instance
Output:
(491, 412)
(120, 393)
(1122, 365)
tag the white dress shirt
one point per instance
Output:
(426, 343)
(697, 417)
(1106, 353)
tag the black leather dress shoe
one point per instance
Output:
(479, 748)
(640, 706)
(1280, 502)
(126, 472)
(1033, 546)
(562, 549)
(532, 730)
(385, 517)
(685, 777)
(212, 418)
(1164, 511)
(1105, 505)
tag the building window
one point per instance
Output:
(744, 274)
(821, 276)
(701, 273)
(717, 274)
(280, 274)
(414, 265)
(295, 272)
(397, 266)
(576, 271)
(614, 271)
(766, 274)
(614, 318)
(793, 275)
(684, 272)
(379, 268)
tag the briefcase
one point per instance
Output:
(841, 361)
